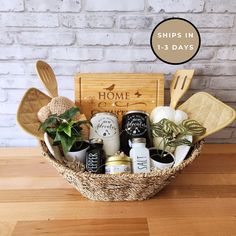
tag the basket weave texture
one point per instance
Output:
(123, 187)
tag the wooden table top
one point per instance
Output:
(35, 200)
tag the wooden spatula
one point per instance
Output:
(179, 85)
(47, 76)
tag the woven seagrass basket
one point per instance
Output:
(123, 187)
(100, 187)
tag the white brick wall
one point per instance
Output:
(103, 39)
(14, 5)
(108, 5)
(108, 36)
(53, 5)
(43, 38)
(29, 20)
(176, 6)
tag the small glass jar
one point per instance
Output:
(95, 157)
(118, 164)
(140, 156)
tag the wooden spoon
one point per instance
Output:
(47, 76)
(179, 85)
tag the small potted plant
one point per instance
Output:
(172, 136)
(66, 132)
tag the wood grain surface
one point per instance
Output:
(118, 93)
(35, 200)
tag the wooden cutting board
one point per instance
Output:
(118, 93)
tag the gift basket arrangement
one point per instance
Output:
(118, 142)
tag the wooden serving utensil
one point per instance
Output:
(179, 85)
(47, 76)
